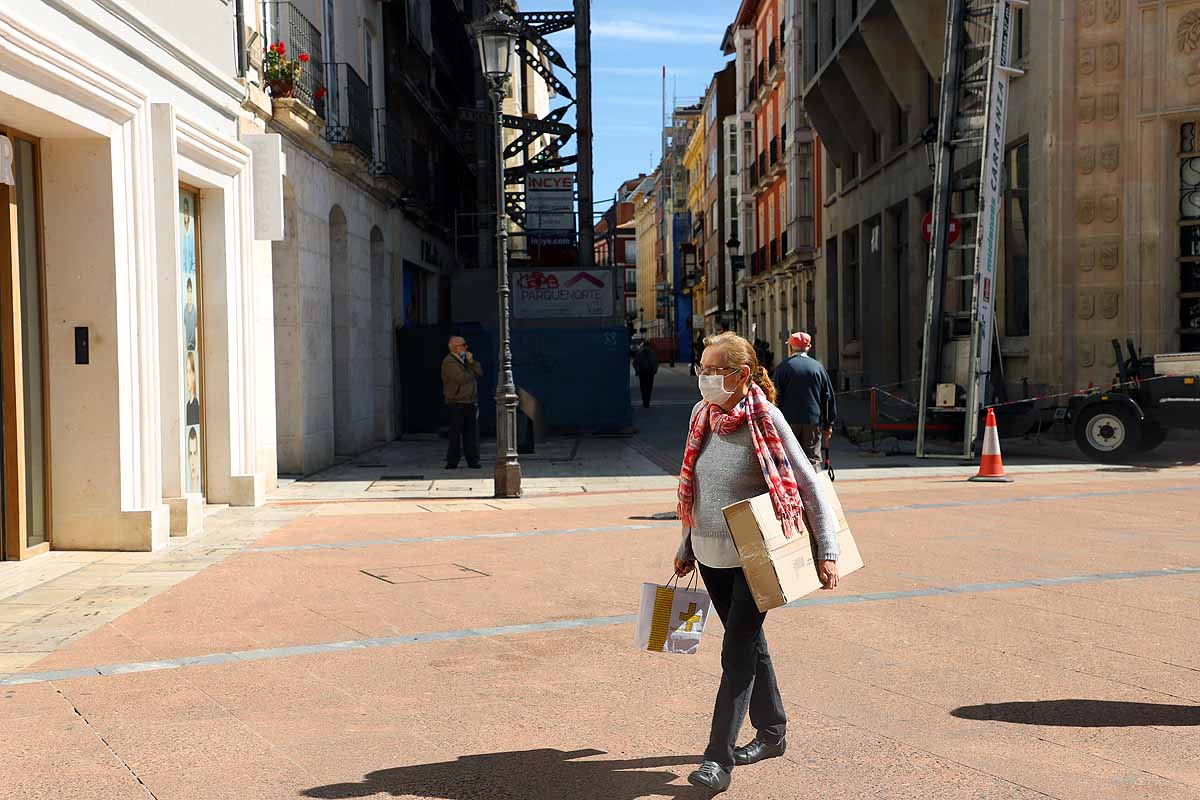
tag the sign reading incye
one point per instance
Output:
(562, 294)
(550, 207)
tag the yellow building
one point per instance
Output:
(693, 257)
(644, 217)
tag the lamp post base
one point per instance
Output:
(508, 481)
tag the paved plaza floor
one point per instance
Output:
(1029, 640)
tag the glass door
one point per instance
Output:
(22, 356)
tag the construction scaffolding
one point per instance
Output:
(960, 339)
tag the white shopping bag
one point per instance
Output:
(671, 619)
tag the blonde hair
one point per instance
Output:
(740, 353)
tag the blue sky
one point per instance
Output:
(631, 42)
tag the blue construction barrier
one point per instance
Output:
(581, 377)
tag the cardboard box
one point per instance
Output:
(780, 570)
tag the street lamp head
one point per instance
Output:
(929, 138)
(733, 244)
(496, 34)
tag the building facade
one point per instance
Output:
(376, 176)
(1097, 226)
(646, 228)
(778, 182)
(720, 163)
(140, 198)
(616, 244)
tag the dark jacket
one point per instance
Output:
(646, 361)
(805, 392)
(459, 380)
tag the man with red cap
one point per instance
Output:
(806, 396)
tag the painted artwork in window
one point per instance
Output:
(189, 280)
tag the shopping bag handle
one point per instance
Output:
(691, 584)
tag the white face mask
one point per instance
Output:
(712, 389)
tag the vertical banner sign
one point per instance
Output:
(189, 282)
(991, 188)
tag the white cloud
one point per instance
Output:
(639, 31)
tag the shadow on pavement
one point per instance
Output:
(528, 775)
(1083, 713)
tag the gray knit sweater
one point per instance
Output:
(727, 472)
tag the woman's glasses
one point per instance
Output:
(723, 371)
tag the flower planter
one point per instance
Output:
(281, 88)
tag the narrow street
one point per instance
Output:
(1029, 640)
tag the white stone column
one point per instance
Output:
(187, 512)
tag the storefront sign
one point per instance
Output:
(562, 294)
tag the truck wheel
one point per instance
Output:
(1108, 433)
(1153, 435)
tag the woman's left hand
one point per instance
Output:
(827, 571)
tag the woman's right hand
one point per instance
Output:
(682, 567)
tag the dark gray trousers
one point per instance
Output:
(747, 677)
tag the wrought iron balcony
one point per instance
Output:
(348, 110)
(284, 23)
(388, 159)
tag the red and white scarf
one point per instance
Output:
(754, 411)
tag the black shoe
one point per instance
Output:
(711, 775)
(758, 750)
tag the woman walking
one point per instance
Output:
(739, 446)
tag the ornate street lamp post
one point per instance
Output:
(496, 35)
(737, 263)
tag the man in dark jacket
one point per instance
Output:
(806, 396)
(645, 364)
(460, 378)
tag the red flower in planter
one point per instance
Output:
(320, 93)
(304, 58)
(282, 48)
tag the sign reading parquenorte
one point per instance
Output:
(558, 294)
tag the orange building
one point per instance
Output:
(779, 182)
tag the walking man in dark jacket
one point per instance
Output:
(806, 397)
(646, 366)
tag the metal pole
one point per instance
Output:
(508, 469)
(583, 128)
(239, 20)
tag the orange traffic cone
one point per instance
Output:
(991, 467)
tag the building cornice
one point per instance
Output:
(216, 88)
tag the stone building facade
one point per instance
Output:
(778, 171)
(1097, 228)
(137, 319)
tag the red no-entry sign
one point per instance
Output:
(927, 229)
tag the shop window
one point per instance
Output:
(850, 300)
(1016, 243)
